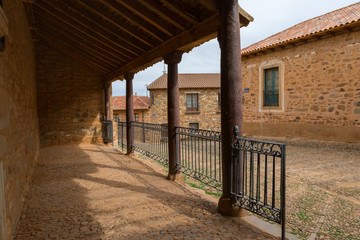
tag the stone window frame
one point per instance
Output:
(192, 111)
(262, 68)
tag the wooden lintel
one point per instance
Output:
(201, 30)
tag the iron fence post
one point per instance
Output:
(283, 192)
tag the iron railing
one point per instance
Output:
(200, 155)
(151, 140)
(257, 169)
(107, 130)
(258, 178)
(122, 135)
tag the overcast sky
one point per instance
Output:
(270, 17)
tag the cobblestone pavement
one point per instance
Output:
(96, 192)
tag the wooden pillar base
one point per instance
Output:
(226, 208)
(178, 177)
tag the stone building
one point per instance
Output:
(57, 62)
(305, 80)
(199, 100)
(141, 108)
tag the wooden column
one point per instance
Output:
(108, 101)
(129, 112)
(231, 94)
(172, 60)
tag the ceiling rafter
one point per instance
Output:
(91, 53)
(73, 52)
(65, 20)
(84, 20)
(205, 30)
(135, 20)
(176, 8)
(104, 48)
(155, 8)
(96, 7)
(150, 17)
(77, 42)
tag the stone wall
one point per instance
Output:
(143, 115)
(321, 91)
(19, 132)
(208, 115)
(71, 99)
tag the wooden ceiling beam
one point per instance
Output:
(134, 20)
(148, 16)
(65, 21)
(155, 7)
(49, 22)
(202, 30)
(209, 4)
(91, 54)
(176, 8)
(80, 43)
(64, 12)
(96, 8)
(73, 53)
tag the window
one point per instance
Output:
(116, 118)
(192, 102)
(271, 87)
(194, 125)
(136, 117)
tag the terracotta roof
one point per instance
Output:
(189, 80)
(140, 102)
(334, 19)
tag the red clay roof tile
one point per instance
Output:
(189, 80)
(140, 102)
(337, 18)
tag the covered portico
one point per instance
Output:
(79, 47)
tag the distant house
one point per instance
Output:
(199, 100)
(141, 107)
(305, 80)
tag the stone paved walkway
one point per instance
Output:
(95, 192)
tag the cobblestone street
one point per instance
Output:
(95, 192)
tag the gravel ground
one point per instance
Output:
(96, 192)
(323, 188)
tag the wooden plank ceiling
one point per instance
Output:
(114, 37)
